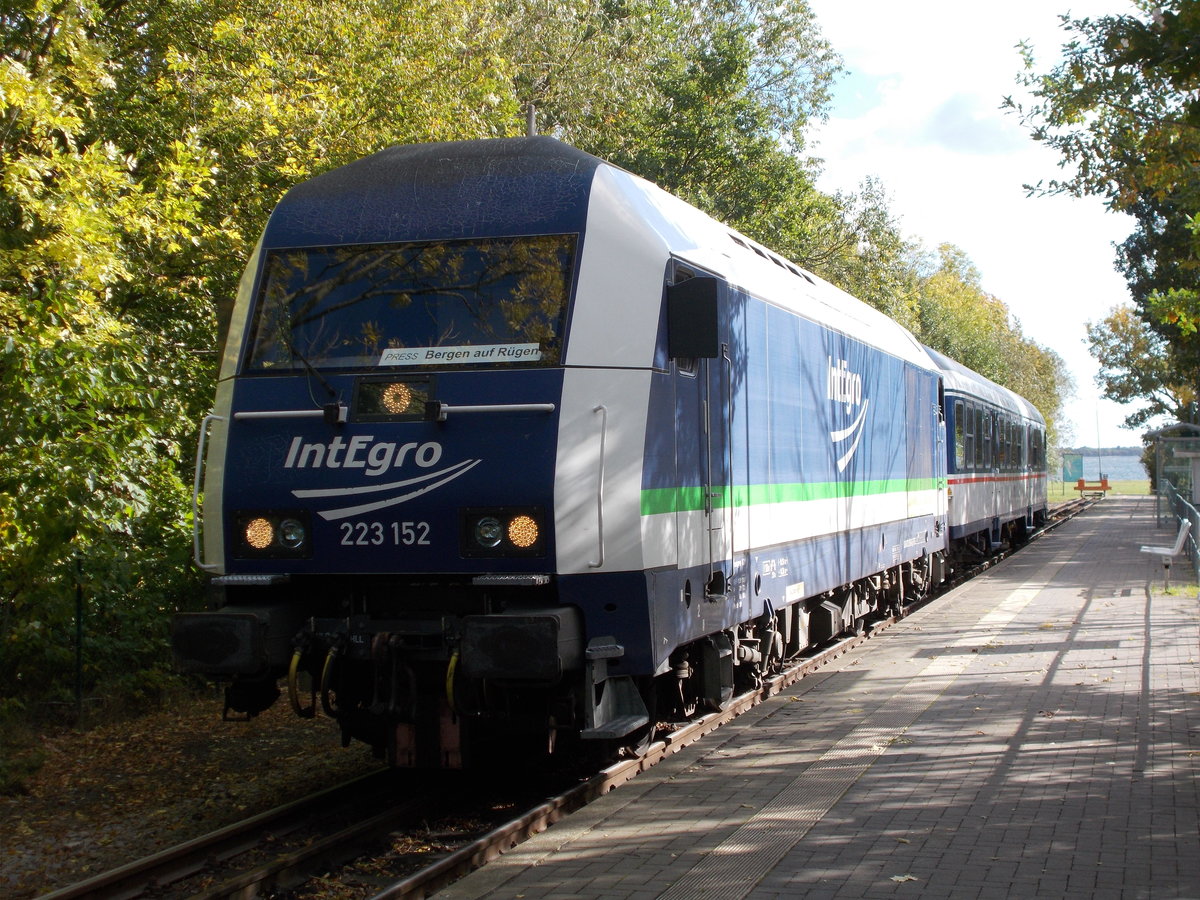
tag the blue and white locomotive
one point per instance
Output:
(511, 446)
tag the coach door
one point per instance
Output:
(991, 431)
(704, 511)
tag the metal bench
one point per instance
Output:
(1166, 554)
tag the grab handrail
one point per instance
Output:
(202, 444)
(603, 410)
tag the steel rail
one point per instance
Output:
(186, 859)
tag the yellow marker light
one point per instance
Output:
(396, 398)
(523, 532)
(259, 533)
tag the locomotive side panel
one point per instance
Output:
(830, 474)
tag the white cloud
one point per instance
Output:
(921, 110)
(964, 124)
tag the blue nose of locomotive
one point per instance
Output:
(430, 473)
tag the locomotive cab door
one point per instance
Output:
(718, 483)
(703, 405)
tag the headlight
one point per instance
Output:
(488, 531)
(292, 533)
(502, 532)
(396, 398)
(270, 535)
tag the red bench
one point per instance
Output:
(1092, 488)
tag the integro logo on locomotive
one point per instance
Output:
(360, 452)
(844, 385)
(374, 458)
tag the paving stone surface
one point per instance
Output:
(1035, 733)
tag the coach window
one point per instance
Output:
(989, 425)
(969, 427)
(980, 438)
(1001, 442)
(960, 458)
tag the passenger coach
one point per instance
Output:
(997, 460)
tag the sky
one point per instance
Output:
(919, 108)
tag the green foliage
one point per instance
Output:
(874, 261)
(144, 143)
(1123, 110)
(89, 415)
(732, 84)
(958, 318)
(1136, 363)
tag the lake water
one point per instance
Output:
(1117, 468)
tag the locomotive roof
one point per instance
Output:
(459, 189)
(512, 186)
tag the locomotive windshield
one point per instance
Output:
(446, 303)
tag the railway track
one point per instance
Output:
(281, 849)
(278, 850)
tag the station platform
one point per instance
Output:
(1034, 733)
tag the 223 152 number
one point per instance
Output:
(378, 534)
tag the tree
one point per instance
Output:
(87, 468)
(1136, 364)
(874, 261)
(1123, 110)
(958, 318)
(732, 86)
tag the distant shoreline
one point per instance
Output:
(1114, 451)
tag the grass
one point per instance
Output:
(1062, 491)
(1181, 590)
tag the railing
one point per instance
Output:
(1184, 510)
